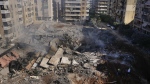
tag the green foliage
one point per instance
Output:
(106, 19)
(93, 20)
(98, 22)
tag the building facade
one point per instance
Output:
(102, 6)
(123, 11)
(1, 27)
(44, 10)
(28, 12)
(142, 16)
(76, 10)
(11, 12)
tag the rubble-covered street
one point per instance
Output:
(59, 53)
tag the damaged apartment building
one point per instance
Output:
(19, 14)
(12, 18)
(102, 6)
(123, 11)
(75, 10)
(142, 16)
(44, 10)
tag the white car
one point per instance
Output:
(108, 25)
(112, 27)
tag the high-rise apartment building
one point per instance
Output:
(28, 12)
(123, 11)
(1, 30)
(44, 10)
(102, 6)
(142, 16)
(76, 10)
(1, 27)
(11, 12)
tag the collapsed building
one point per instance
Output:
(56, 54)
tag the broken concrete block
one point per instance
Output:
(65, 60)
(56, 58)
(75, 62)
(86, 65)
(34, 65)
(44, 63)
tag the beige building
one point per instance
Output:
(44, 10)
(1, 27)
(28, 12)
(102, 6)
(142, 16)
(11, 12)
(123, 11)
(76, 10)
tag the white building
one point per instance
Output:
(12, 18)
(44, 10)
(102, 6)
(76, 10)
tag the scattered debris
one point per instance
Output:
(44, 63)
(61, 55)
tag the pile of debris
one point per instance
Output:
(6, 59)
(67, 59)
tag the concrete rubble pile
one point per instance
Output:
(61, 61)
(68, 58)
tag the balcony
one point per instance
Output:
(72, 1)
(146, 28)
(72, 14)
(73, 10)
(19, 9)
(102, 6)
(5, 11)
(6, 19)
(7, 27)
(69, 19)
(4, 2)
(145, 13)
(102, 9)
(137, 25)
(20, 16)
(9, 35)
(69, 6)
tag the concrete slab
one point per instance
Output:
(54, 60)
(44, 63)
(65, 60)
(4, 71)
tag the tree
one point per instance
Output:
(98, 21)
(93, 20)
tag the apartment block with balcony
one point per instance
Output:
(102, 6)
(1, 27)
(123, 11)
(1, 30)
(6, 18)
(76, 10)
(43, 10)
(142, 16)
(17, 17)
(28, 13)
(11, 18)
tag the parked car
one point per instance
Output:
(112, 27)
